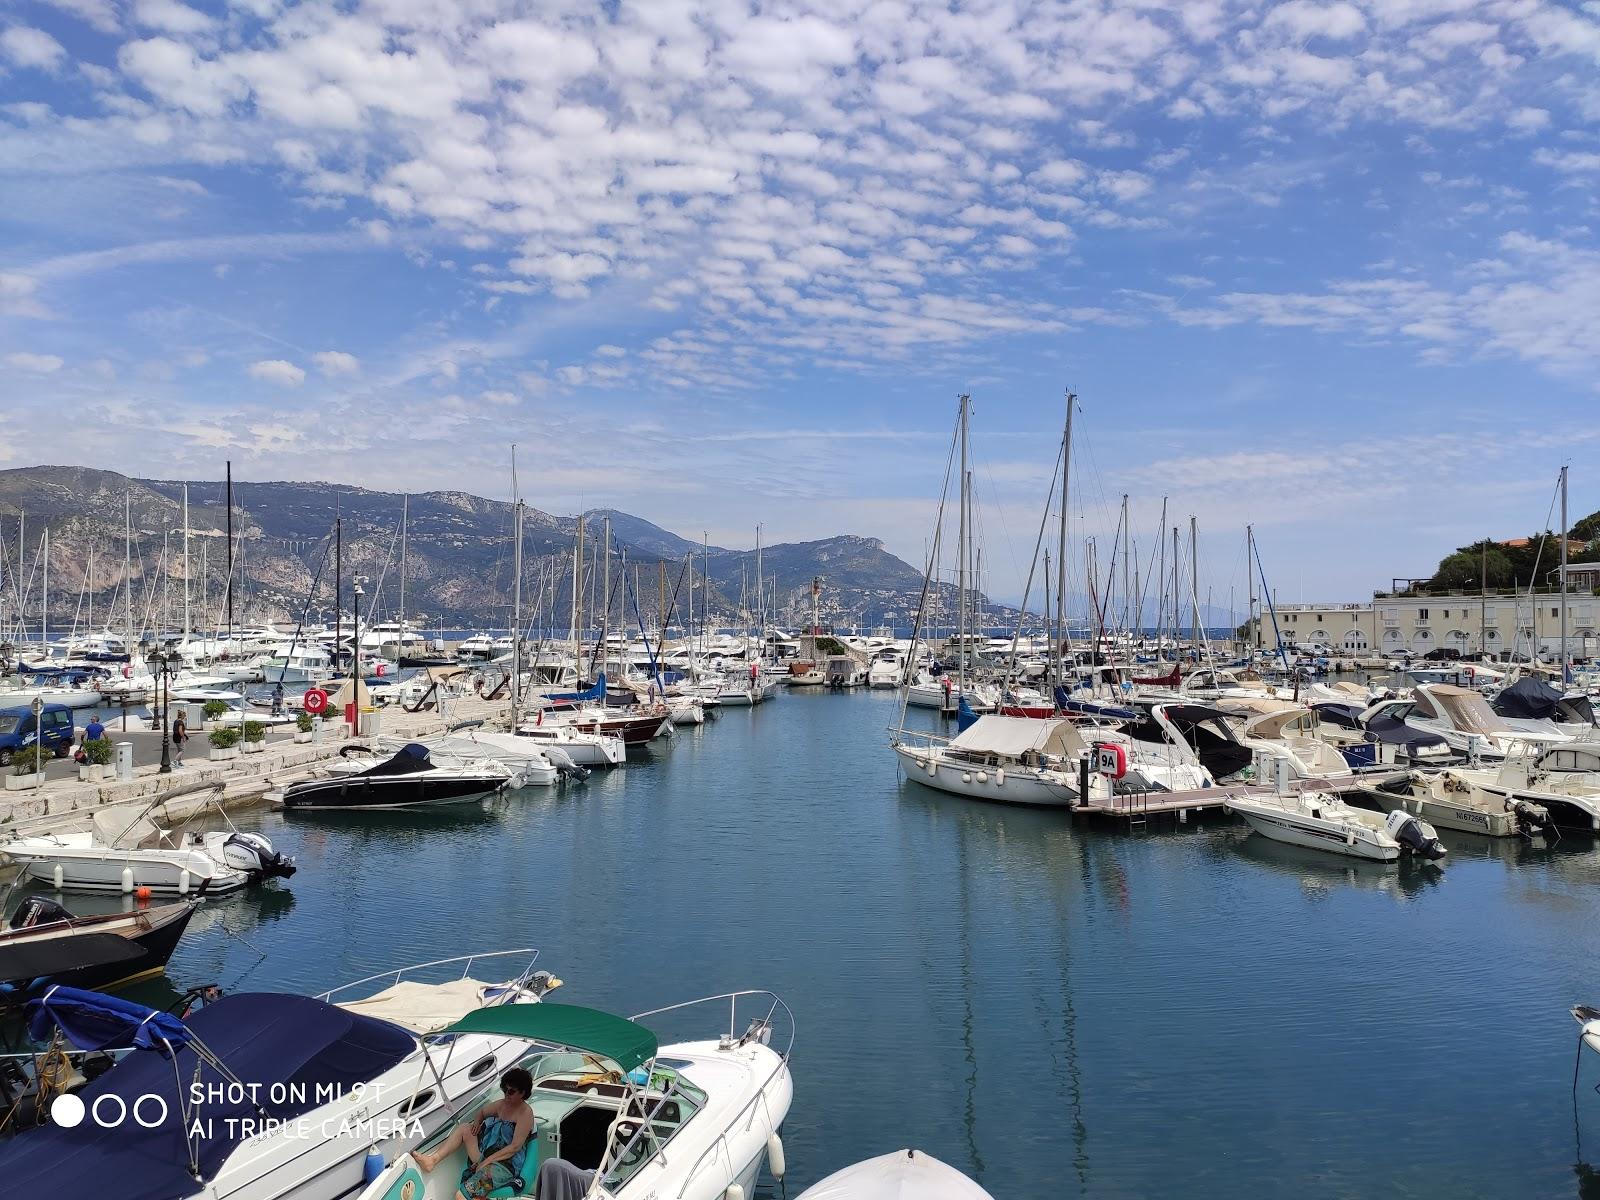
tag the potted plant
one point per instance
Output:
(255, 737)
(224, 743)
(302, 727)
(27, 769)
(213, 709)
(97, 760)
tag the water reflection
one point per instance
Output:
(1318, 871)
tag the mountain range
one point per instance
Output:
(458, 558)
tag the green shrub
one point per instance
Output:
(214, 709)
(224, 738)
(255, 731)
(29, 760)
(302, 722)
(99, 751)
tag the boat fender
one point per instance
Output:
(127, 670)
(983, 777)
(1349, 836)
(776, 1163)
(57, 878)
(966, 777)
(734, 1192)
(183, 882)
(1000, 777)
(127, 880)
(373, 1165)
(142, 893)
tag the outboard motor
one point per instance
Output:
(1533, 820)
(566, 769)
(1415, 835)
(252, 853)
(38, 910)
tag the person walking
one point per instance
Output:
(180, 735)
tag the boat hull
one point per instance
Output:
(155, 932)
(1295, 830)
(362, 794)
(1006, 785)
(99, 868)
(1442, 814)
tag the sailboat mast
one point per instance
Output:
(577, 597)
(961, 555)
(405, 512)
(44, 606)
(605, 587)
(1563, 578)
(338, 575)
(186, 567)
(1063, 639)
(229, 593)
(1176, 602)
(516, 615)
(1251, 633)
(1127, 593)
(127, 569)
(1194, 579)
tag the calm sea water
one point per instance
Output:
(1058, 1011)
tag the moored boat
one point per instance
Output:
(1321, 821)
(902, 1175)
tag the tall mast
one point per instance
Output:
(1563, 577)
(1176, 602)
(338, 575)
(1063, 639)
(961, 556)
(761, 605)
(516, 615)
(1127, 593)
(186, 567)
(44, 607)
(405, 512)
(1194, 580)
(605, 587)
(229, 593)
(127, 569)
(1251, 633)
(577, 597)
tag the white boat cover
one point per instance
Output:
(124, 827)
(1011, 737)
(422, 1007)
(903, 1175)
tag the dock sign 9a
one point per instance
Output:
(1110, 760)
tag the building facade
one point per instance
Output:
(1495, 625)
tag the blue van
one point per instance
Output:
(17, 730)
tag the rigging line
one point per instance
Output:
(1044, 520)
(929, 578)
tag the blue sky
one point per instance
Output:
(1330, 268)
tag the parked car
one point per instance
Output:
(17, 731)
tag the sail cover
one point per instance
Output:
(91, 1021)
(293, 1047)
(1011, 737)
(597, 692)
(1528, 697)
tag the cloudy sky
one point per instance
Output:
(1327, 267)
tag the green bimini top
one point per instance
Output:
(568, 1025)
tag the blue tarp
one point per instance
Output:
(597, 692)
(965, 717)
(293, 1047)
(91, 1021)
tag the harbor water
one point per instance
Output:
(1057, 1010)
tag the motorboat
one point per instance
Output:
(1466, 721)
(1010, 760)
(74, 687)
(1178, 745)
(805, 674)
(619, 1116)
(1378, 738)
(256, 1096)
(902, 1175)
(1563, 779)
(530, 764)
(1281, 729)
(1447, 801)
(1321, 821)
(631, 726)
(44, 942)
(406, 779)
(1533, 699)
(583, 748)
(841, 671)
(117, 849)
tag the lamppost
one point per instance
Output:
(161, 664)
(355, 658)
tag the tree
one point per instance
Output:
(1475, 564)
(1587, 529)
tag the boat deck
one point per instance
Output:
(1134, 809)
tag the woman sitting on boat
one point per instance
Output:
(496, 1141)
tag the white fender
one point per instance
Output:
(966, 777)
(183, 882)
(127, 879)
(1000, 777)
(775, 1160)
(983, 777)
(734, 1192)
(57, 877)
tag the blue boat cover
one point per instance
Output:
(300, 1052)
(965, 717)
(597, 692)
(92, 1021)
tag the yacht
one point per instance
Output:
(301, 662)
(116, 849)
(262, 1096)
(1466, 721)
(619, 1116)
(1010, 760)
(903, 1175)
(1321, 821)
(408, 778)
(1274, 729)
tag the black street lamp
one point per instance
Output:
(161, 665)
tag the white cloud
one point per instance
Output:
(1302, 19)
(24, 46)
(336, 362)
(170, 16)
(38, 364)
(278, 371)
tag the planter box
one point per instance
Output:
(216, 755)
(23, 783)
(253, 747)
(92, 773)
(302, 738)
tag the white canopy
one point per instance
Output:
(903, 1175)
(1011, 737)
(422, 1007)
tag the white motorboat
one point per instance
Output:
(262, 1096)
(903, 1175)
(1467, 722)
(840, 671)
(123, 850)
(1010, 760)
(1562, 779)
(529, 763)
(618, 1116)
(584, 749)
(1280, 729)
(1447, 801)
(1321, 821)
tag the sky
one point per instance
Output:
(1326, 268)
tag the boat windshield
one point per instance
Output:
(1468, 711)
